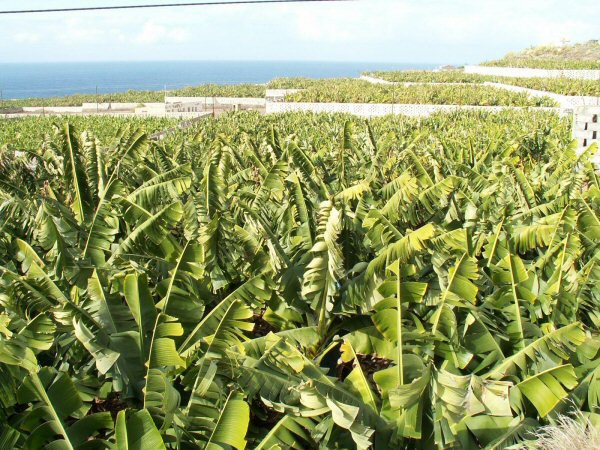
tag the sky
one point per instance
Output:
(399, 31)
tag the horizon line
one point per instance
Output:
(226, 61)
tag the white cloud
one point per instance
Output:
(78, 31)
(153, 33)
(26, 37)
(386, 30)
(350, 22)
(312, 27)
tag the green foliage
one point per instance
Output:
(563, 86)
(429, 76)
(299, 281)
(133, 96)
(360, 91)
(30, 133)
(584, 55)
(291, 83)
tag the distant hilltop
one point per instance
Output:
(583, 55)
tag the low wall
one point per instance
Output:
(65, 114)
(359, 109)
(52, 109)
(565, 101)
(519, 72)
(180, 126)
(92, 107)
(186, 115)
(379, 109)
(279, 94)
(415, 83)
(173, 107)
(151, 109)
(375, 80)
(200, 104)
(11, 110)
(245, 101)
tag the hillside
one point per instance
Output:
(584, 55)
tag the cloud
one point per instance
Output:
(438, 31)
(316, 28)
(78, 31)
(26, 37)
(153, 33)
(350, 22)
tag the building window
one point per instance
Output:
(585, 142)
(595, 135)
(595, 118)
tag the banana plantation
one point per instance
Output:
(298, 281)
(361, 91)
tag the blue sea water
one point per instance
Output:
(58, 79)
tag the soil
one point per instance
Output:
(261, 326)
(369, 364)
(112, 404)
(262, 416)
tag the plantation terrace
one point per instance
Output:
(409, 259)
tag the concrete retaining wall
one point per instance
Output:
(378, 109)
(218, 100)
(533, 73)
(200, 104)
(279, 94)
(586, 128)
(52, 109)
(375, 80)
(93, 107)
(150, 109)
(415, 83)
(565, 101)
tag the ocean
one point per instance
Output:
(58, 79)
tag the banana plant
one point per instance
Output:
(297, 281)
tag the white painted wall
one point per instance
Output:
(567, 102)
(378, 109)
(218, 100)
(93, 107)
(585, 130)
(279, 94)
(53, 109)
(375, 80)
